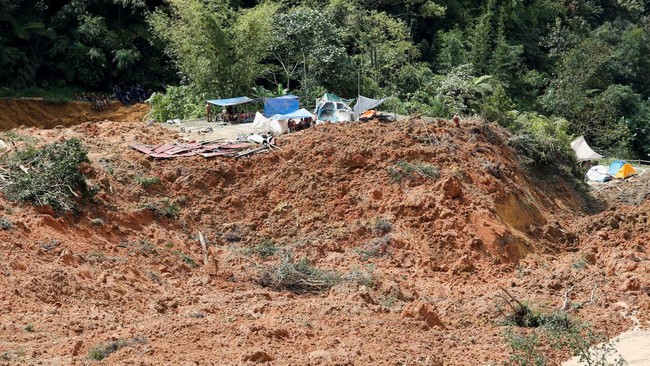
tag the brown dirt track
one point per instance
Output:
(483, 224)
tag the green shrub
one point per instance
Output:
(524, 349)
(147, 182)
(52, 176)
(405, 170)
(558, 331)
(102, 351)
(177, 102)
(543, 143)
(164, 209)
(265, 249)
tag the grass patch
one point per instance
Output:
(186, 259)
(147, 182)
(297, 276)
(13, 136)
(382, 226)
(580, 264)
(142, 246)
(264, 250)
(102, 351)
(48, 176)
(29, 328)
(404, 170)
(375, 248)
(164, 209)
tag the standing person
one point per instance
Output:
(208, 112)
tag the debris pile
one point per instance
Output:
(254, 144)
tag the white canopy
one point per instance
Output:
(274, 126)
(583, 151)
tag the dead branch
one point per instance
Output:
(204, 248)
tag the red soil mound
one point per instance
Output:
(432, 250)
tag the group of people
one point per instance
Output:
(228, 114)
(302, 124)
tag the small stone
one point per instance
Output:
(425, 311)
(632, 284)
(451, 187)
(77, 348)
(258, 356)
(320, 356)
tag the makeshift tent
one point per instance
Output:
(230, 101)
(299, 114)
(275, 126)
(620, 169)
(363, 104)
(583, 151)
(598, 173)
(332, 108)
(281, 105)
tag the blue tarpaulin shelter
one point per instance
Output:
(230, 101)
(281, 105)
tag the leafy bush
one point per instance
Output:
(543, 143)
(559, 331)
(177, 102)
(49, 176)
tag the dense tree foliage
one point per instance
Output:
(90, 44)
(583, 62)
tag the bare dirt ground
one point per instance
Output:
(195, 130)
(429, 255)
(45, 114)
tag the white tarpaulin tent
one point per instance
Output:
(583, 151)
(275, 126)
(598, 173)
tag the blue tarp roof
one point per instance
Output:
(230, 101)
(281, 105)
(301, 113)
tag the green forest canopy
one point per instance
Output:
(570, 66)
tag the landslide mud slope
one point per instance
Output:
(46, 114)
(431, 251)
